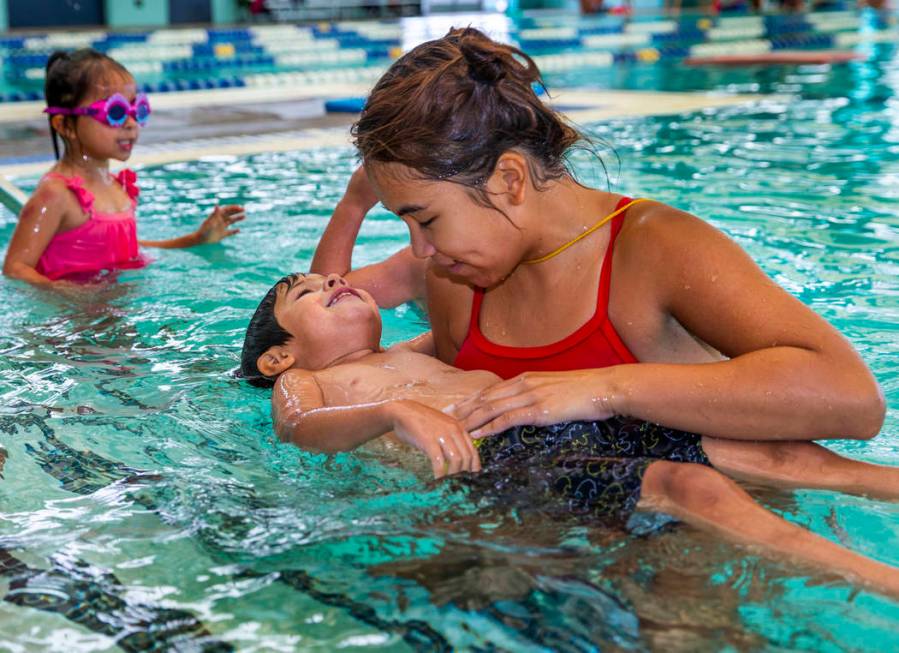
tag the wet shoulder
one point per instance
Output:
(653, 231)
(296, 390)
(53, 193)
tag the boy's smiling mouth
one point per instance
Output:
(340, 293)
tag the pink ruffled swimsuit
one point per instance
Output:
(107, 241)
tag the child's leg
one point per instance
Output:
(704, 498)
(795, 464)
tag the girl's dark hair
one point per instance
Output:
(263, 332)
(69, 78)
(450, 107)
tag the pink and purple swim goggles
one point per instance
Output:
(112, 111)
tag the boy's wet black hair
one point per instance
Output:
(69, 77)
(263, 332)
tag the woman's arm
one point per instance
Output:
(396, 280)
(420, 344)
(789, 374)
(216, 227)
(335, 249)
(39, 221)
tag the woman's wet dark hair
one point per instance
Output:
(449, 108)
(263, 332)
(69, 78)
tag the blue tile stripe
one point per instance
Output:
(229, 58)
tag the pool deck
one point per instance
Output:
(191, 125)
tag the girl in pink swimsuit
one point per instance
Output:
(80, 221)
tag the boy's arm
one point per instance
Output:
(302, 419)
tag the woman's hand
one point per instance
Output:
(359, 192)
(538, 398)
(218, 225)
(439, 436)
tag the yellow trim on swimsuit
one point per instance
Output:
(589, 231)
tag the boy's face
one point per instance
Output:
(327, 319)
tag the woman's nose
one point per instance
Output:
(420, 245)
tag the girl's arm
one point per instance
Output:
(38, 223)
(789, 374)
(302, 418)
(396, 280)
(214, 228)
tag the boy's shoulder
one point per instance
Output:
(299, 389)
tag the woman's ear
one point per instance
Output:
(510, 177)
(275, 361)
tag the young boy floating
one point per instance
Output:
(317, 341)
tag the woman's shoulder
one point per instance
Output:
(661, 229)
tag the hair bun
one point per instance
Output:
(484, 66)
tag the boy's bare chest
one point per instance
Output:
(408, 376)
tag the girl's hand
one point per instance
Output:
(538, 398)
(218, 225)
(439, 436)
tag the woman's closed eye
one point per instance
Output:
(425, 223)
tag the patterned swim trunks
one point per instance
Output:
(595, 468)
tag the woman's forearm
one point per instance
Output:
(335, 249)
(782, 393)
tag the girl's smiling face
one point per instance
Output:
(90, 138)
(472, 242)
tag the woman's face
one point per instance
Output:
(477, 244)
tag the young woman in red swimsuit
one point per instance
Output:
(588, 303)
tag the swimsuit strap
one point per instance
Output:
(76, 185)
(589, 231)
(126, 178)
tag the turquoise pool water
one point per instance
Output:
(146, 500)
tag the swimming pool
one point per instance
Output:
(145, 498)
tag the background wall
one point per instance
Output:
(223, 11)
(52, 13)
(137, 13)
